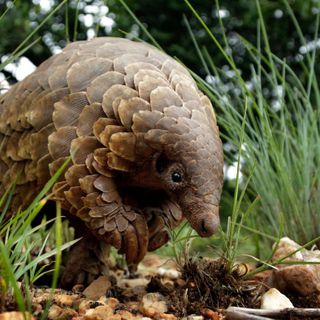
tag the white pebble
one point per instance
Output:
(273, 299)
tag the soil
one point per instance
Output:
(206, 284)
(202, 287)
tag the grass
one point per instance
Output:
(281, 138)
(17, 236)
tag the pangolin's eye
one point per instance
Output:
(176, 177)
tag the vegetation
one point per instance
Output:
(24, 248)
(281, 133)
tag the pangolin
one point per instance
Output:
(143, 140)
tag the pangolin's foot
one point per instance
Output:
(87, 260)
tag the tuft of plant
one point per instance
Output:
(24, 254)
(281, 137)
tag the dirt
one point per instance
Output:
(206, 284)
(202, 287)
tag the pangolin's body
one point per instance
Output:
(143, 139)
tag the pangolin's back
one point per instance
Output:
(77, 101)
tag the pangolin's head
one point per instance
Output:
(189, 166)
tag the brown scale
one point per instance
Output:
(133, 121)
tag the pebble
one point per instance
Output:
(172, 274)
(167, 316)
(100, 312)
(193, 317)
(16, 315)
(125, 315)
(302, 279)
(84, 305)
(64, 299)
(273, 299)
(285, 247)
(210, 314)
(55, 312)
(97, 288)
(153, 304)
(132, 283)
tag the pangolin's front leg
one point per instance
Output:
(96, 201)
(89, 258)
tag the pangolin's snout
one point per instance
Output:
(205, 220)
(208, 227)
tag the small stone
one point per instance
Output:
(115, 317)
(125, 315)
(172, 274)
(167, 316)
(302, 279)
(54, 312)
(16, 315)
(97, 288)
(153, 304)
(273, 299)
(85, 305)
(65, 299)
(210, 314)
(285, 247)
(193, 317)
(112, 302)
(41, 298)
(133, 306)
(99, 313)
(161, 271)
(131, 283)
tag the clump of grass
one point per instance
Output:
(281, 138)
(19, 241)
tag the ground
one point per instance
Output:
(200, 289)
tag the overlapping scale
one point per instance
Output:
(67, 111)
(127, 108)
(88, 116)
(81, 147)
(123, 144)
(59, 142)
(117, 91)
(80, 75)
(101, 84)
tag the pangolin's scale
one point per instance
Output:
(110, 103)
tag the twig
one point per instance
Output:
(238, 315)
(298, 312)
